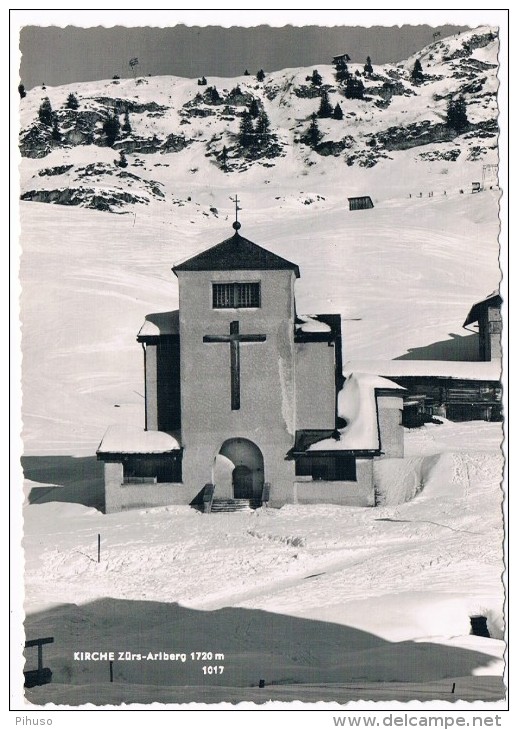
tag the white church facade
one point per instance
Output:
(245, 401)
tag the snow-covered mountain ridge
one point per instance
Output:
(175, 133)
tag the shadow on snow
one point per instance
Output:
(287, 652)
(77, 480)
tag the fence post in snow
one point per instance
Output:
(98, 548)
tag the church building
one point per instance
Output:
(245, 401)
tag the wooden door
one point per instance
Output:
(242, 481)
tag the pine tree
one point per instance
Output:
(21, 91)
(368, 67)
(45, 112)
(254, 109)
(262, 129)
(341, 70)
(260, 75)
(354, 88)
(417, 72)
(111, 129)
(246, 130)
(337, 112)
(456, 116)
(212, 95)
(126, 127)
(325, 110)
(316, 78)
(313, 135)
(247, 73)
(224, 157)
(123, 162)
(56, 134)
(72, 102)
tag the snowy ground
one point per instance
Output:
(323, 602)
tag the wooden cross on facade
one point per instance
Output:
(234, 338)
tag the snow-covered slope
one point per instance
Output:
(178, 130)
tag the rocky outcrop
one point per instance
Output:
(125, 188)
(36, 142)
(307, 92)
(238, 97)
(391, 88)
(414, 135)
(175, 143)
(135, 107)
(144, 146)
(150, 185)
(58, 170)
(476, 41)
(100, 199)
(334, 148)
(195, 112)
(441, 155)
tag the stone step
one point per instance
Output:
(230, 505)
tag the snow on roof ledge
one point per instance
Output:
(135, 440)
(462, 370)
(160, 323)
(311, 323)
(357, 405)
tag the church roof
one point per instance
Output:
(236, 254)
(123, 439)
(160, 324)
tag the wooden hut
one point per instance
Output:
(360, 202)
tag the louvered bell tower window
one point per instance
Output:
(236, 296)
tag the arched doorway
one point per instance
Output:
(246, 468)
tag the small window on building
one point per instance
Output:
(236, 296)
(152, 469)
(337, 468)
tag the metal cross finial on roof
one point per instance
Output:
(236, 225)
